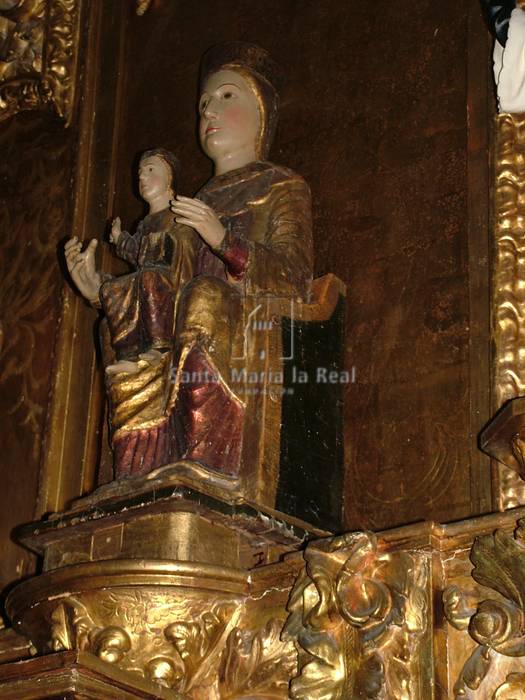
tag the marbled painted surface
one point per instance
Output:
(35, 173)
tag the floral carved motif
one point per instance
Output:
(204, 655)
(357, 617)
(199, 645)
(257, 663)
(221, 660)
(38, 55)
(496, 625)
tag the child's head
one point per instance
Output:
(171, 161)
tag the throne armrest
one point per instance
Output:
(326, 292)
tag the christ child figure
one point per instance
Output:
(140, 307)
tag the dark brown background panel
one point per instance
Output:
(375, 117)
(36, 158)
(417, 334)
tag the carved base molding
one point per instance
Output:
(75, 676)
(170, 587)
(201, 599)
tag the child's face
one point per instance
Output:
(154, 178)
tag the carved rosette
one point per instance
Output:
(508, 279)
(39, 42)
(495, 667)
(357, 617)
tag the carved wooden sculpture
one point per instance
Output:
(198, 332)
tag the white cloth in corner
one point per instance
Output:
(509, 66)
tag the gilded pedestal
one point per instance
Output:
(169, 585)
(172, 592)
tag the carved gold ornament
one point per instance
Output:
(199, 644)
(496, 625)
(192, 628)
(508, 304)
(357, 617)
(38, 55)
(257, 663)
(512, 689)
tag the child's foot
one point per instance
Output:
(121, 366)
(152, 357)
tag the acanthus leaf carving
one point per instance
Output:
(72, 627)
(496, 625)
(199, 643)
(498, 564)
(257, 663)
(357, 617)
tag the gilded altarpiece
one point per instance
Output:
(164, 592)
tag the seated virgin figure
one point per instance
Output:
(248, 319)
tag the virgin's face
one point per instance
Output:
(229, 115)
(154, 178)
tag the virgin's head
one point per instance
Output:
(238, 104)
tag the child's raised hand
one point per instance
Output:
(81, 266)
(116, 230)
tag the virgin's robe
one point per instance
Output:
(266, 253)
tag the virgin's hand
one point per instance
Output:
(199, 216)
(116, 230)
(81, 266)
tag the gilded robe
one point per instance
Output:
(140, 307)
(266, 253)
